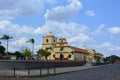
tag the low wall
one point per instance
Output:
(9, 64)
(16, 65)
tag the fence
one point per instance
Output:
(29, 65)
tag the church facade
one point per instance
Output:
(61, 50)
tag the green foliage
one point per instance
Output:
(18, 54)
(6, 37)
(49, 48)
(111, 58)
(27, 52)
(43, 53)
(106, 59)
(2, 50)
(31, 41)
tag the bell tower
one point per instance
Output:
(49, 41)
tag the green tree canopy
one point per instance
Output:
(18, 54)
(111, 58)
(43, 53)
(6, 37)
(27, 52)
(2, 50)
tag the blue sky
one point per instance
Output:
(94, 23)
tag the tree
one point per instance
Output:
(18, 54)
(32, 41)
(51, 49)
(111, 59)
(43, 53)
(27, 53)
(2, 49)
(6, 37)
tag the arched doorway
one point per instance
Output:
(61, 57)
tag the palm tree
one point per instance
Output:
(6, 37)
(32, 41)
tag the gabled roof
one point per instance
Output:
(78, 50)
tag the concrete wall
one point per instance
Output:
(9, 64)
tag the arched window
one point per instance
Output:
(47, 40)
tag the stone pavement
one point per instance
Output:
(36, 72)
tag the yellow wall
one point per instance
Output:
(56, 45)
(90, 56)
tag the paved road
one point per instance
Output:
(109, 72)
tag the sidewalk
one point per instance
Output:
(36, 72)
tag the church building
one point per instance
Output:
(60, 50)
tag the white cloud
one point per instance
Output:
(90, 13)
(12, 8)
(106, 44)
(73, 32)
(21, 41)
(6, 27)
(63, 12)
(109, 49)
(81, 37)
(99, 30)
(18, 44)
(41, 30)
(114, 30)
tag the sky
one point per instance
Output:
(93, 23)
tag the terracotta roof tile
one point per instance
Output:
(78, 49)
